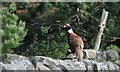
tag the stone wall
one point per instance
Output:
(103, 61)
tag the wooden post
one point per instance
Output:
(102, 26)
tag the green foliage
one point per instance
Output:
(111, 47)
(13, 29)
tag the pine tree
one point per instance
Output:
(13, 29)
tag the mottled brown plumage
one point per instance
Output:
(75, 42)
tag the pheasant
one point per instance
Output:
(75, 43)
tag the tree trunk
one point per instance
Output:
(102, 26)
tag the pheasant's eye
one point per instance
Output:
(67, 27)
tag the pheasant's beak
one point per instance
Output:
(64, 26)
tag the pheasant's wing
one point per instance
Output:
(76, 41)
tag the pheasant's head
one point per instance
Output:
(68, 28)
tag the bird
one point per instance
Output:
(76, 43)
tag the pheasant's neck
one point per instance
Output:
(70, 31)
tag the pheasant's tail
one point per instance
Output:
(79, 54)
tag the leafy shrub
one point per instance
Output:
(13, 30)
(111, 47)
